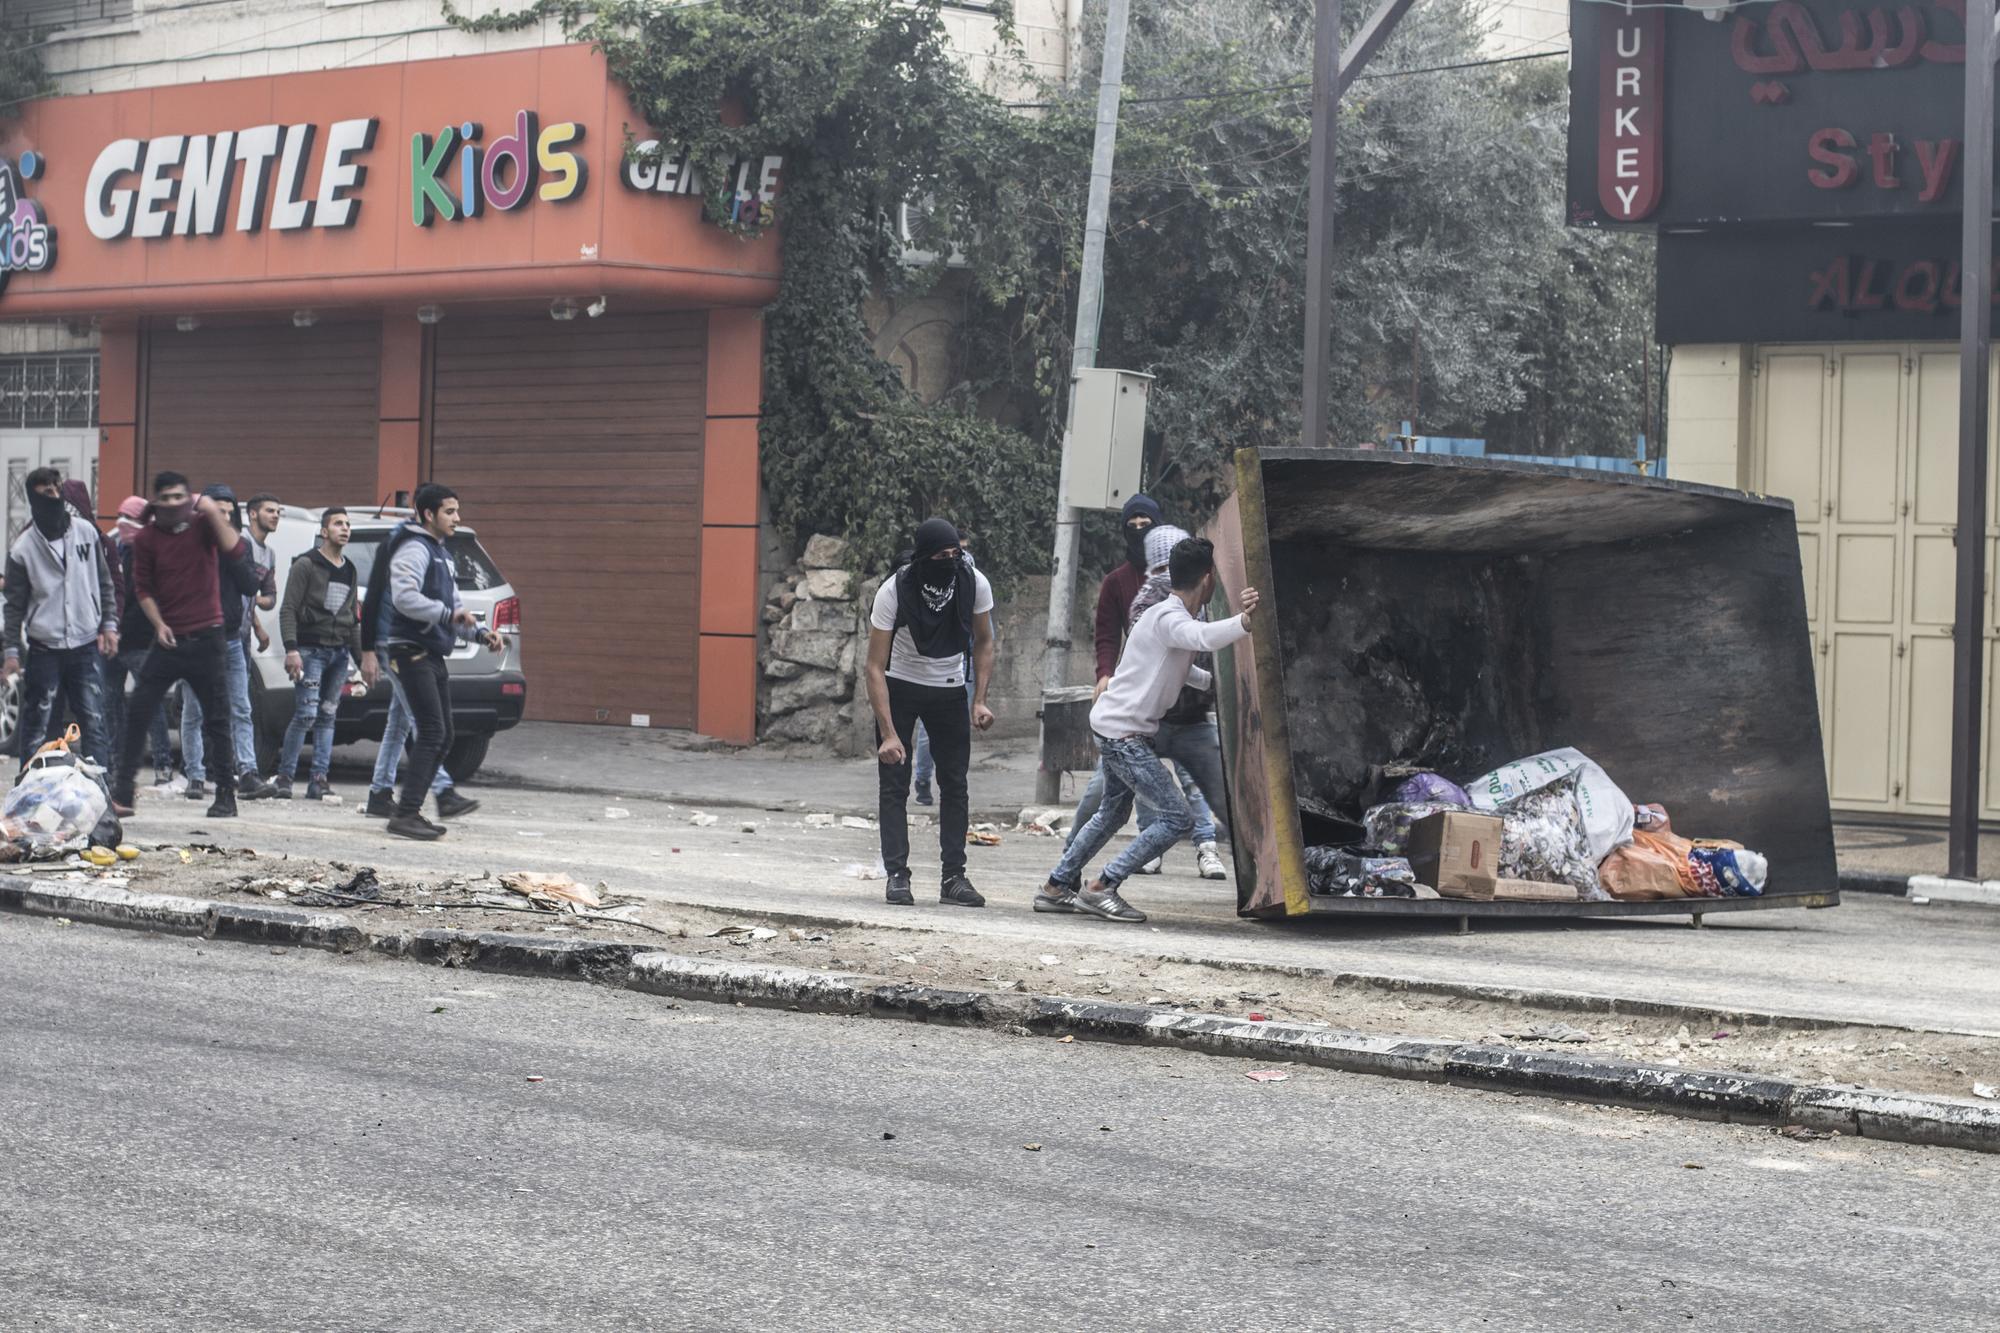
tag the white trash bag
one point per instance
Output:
(54, 809)
(1606, 811)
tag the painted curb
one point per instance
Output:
(1713, 1095)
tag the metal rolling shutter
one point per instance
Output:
(576, 450)
(268, 407)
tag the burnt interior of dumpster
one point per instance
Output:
(1452, 615)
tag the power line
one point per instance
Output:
(1300, 87)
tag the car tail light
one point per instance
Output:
(507, 616)
(513, 689)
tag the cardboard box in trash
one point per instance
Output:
(1456, 852)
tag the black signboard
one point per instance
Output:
(1795, 111)
(1891, 282)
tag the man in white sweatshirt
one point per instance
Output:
(1158, 660)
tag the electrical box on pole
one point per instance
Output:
(1107, 438)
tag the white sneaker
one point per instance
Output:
(1208, 862)
(1151, 867)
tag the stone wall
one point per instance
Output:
(816, 643)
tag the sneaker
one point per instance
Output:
(1152, 867)
(1208, 862)
(122, 807)
(224, 807)
(281, 788)
(196, 791)
(1053, 897)
(318, 789)
(253, 788)
(451, 805)
(899, 890)
(162, 776)
(924, 796)
(1100, 901)
(958, 892)
(415, 826)
(381, 803)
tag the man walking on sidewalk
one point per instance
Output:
(177, 578)
(60, 603)
(927, 616)
(1158, 661)
(320, 623)
(242, 583)
(413, 614)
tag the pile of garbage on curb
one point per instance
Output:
(60, 807)
(1553, 827)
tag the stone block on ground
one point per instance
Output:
(824, 552)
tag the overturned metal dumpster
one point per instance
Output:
(1453, 614)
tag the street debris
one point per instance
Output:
(808, 936)
(1065, 1041)
(1046, 823)
(1267, 1076)
(1919, 900)
(1031, 1147)
(1549, 1032)
(820, 820)
(616, 812)
(1986, 1090)
(534, 1078)
(1803, 1133)
(856, 821)
(1048, 960)
(701, 819)
(748, 933)
(747, 826)
(1090, 971)
(887, 1135)
(983, 837)
(858, 870)
(552, 890)
(1260, 1018)
(529, 833)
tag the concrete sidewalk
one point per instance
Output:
(691, 770)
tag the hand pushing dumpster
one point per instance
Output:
(1559, 657)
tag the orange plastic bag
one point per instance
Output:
(1650, 868)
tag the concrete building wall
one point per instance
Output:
(172, 42)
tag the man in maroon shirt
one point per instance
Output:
(1121, 585)
(176, 578)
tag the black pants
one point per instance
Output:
(942, 710)
(197, 659)
(116, 672)
(419, 675)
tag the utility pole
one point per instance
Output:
(1975, 342)
(1089, 314)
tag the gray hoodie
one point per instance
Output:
(60, 592)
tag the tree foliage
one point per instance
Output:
(1461, 302)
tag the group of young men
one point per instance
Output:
(168, 600)
(931, 625)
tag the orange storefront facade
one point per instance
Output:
(335, 285)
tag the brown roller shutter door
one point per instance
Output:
(268, 407)
(576, 450)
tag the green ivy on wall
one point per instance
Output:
(870, 110)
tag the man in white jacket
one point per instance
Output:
(1158, 660)
(60, 607)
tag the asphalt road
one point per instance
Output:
(204, 1136)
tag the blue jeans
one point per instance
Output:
(1131, 768)
(395, 735)
(236, 680)
(77, 674)
(1195, 751)
(926, 766)
(315, 702)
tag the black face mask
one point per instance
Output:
(1135, 547)
(937, 575)
(51, 514)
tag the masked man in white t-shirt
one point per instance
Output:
(927, 617)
